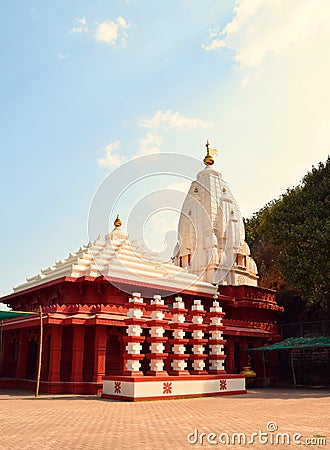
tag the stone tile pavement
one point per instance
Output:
(88, 422)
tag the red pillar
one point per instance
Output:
(45, 356)
(22, 355)
(100, 353)
(77, 354)
(3, 371)
(244, 353)
(55, 354)
(230, 364)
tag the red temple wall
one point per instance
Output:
(80, 349)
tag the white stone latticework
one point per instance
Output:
(157, 340)
(134, 339)
(179, 356)
(216, 341)
(198, 343)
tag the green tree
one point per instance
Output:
(290, 240)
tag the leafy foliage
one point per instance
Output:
(290, 241)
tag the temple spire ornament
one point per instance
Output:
(209, 160)
(117, 223)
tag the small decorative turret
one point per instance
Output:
(117, 235)
(117, 223)
(208, 160)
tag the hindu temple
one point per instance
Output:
(184, 330)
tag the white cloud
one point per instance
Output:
(279, 112)
(112, 33)
(3, 306)
(214, 40)
(112, 157)
(263, 27)
(81, 26)
(33, 13)
(172, 119)
(62, 55)
(322, 136)
(150, 144)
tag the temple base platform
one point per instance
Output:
(171, 387)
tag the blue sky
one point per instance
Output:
(86, 86)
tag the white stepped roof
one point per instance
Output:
(117, 257)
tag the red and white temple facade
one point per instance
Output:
(178, 381)
(182, 330)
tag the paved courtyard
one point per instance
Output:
(81, 422)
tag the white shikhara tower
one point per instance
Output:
(211, 232)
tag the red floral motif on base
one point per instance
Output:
(167, 388)
(223, 385)
(117, 389)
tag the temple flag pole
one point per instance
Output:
(40, 353)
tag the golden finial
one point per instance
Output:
(208, 160)
(117, 222)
